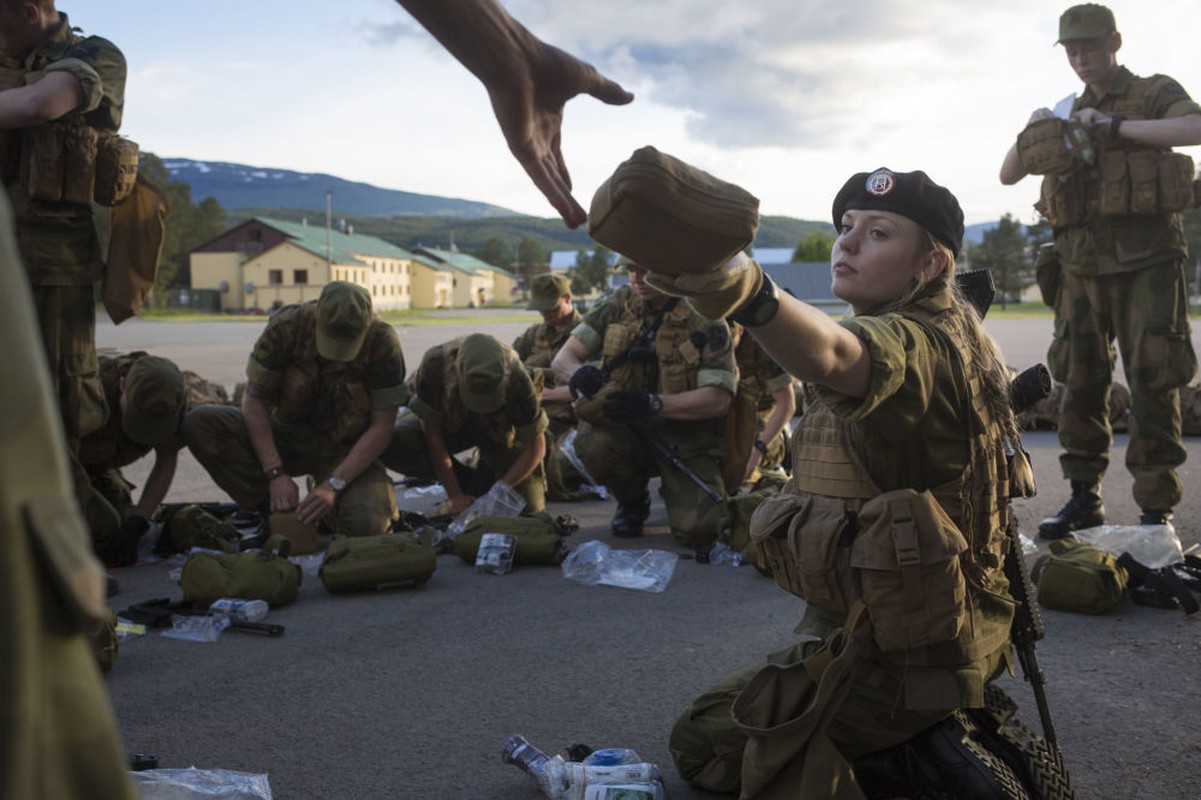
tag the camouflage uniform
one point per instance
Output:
(907, 432)
(104, 452)
(1123, 278)
(759, 377)
(499, 435)
(319, 410)
(58, 240)
(690, 352)
(58, 737)
(536, 347)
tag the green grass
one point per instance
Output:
(402, 319)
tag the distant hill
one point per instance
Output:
(403, 218)
(241, 186)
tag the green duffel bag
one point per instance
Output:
(1079, 577)
(376, 562)
(264, 575)
(539, 536)
(189, 526)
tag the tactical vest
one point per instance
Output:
(494, 427)
(74, 159)
(926, 564)
(677, 358)
(110, 447)
(1129, 179)
(330, 396)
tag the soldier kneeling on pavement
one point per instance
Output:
(324, 385)
(666, 372)
(147, 400)
(473, 392)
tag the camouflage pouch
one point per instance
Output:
(1062, 200)
(671, 217)
(1176, 175)
(1079, 577)
(60, 162)
(906, 556)
(540, 537)
(116, 169)
(265, 575)
(191, 526)
(1054, 146)
(1143, 168)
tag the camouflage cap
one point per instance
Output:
(483, 367)
(910, 194)
(155, 399)
(343, 317)
(1086, 21)
(547, 290)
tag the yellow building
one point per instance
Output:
(476, 283)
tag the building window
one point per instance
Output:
(275, 277)
(300, 276)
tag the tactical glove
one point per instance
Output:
(586, 381)
(715, 294)
(624, 405)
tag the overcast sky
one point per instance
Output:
(786, 98)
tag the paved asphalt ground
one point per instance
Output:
(408, 694)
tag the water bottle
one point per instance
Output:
(548, 771)
(241, 610)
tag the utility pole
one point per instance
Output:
(329, 221)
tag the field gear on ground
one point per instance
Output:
(264, 575)
(1079, 577)
(376, 562)
(540, 537)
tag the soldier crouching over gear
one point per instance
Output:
(473, 392)
(324, 385)
(550, 296)
(669, 373)
(147, 401)
(892, 527)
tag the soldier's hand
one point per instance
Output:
(715, 294)
(586, 381)
(624, 405)
(283, 493)
(319, 502)
(459, 502)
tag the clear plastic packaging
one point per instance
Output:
(567, 450)
(421, 499)
(495, 556)
(722, 553)
(629, 778)
(197, 627)
(500, 501)
(1153, 546)
(200, 784)
(239, 609)
(594, 563)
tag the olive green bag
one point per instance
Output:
(1079, 577)
(539, 536)
(376, 562)
(253, 575)
(191, 526)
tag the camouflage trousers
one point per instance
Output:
(623, 462)
(563, 480)
(407, 455)
(1146, 312)
(708, 746)
(218, 439)
(108, 502)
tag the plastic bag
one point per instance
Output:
(197, 627)
(722, 553)
(421, 499)
(594, 563)
(567, 450)
(200, 784)
(500, 501)
(1153, 546)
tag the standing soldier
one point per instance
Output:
(61, 99)
(762, 409)
(550, 295)
(473, 392)
(147, 401)
(667, 373)
(1114, 208)
(324, 385)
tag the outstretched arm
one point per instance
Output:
(528, 82)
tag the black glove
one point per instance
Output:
(623, 405)
(122, 549)
(586, 381)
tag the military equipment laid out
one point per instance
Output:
(261, 575)
(157, 613)
(1079, 577)
(213, 526)
(377, 562)
(540, 537)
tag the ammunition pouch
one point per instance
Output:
(1062, 200)
(1055, 146)
(69, 162)
(1145, 183)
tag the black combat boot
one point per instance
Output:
(1151, 516)
(627, 522)
(1083, 510)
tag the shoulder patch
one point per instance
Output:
(718, 334)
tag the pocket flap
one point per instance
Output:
(905, 528)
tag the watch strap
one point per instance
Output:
(762, 308)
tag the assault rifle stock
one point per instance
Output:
(668, 451)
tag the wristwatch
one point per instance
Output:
(336, 483)
(761, 446)
(762, 308)
(654, 404)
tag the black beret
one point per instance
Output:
(910, 194)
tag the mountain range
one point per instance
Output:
(246, 191)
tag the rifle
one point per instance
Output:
(669, 452)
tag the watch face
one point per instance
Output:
(336, 483)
